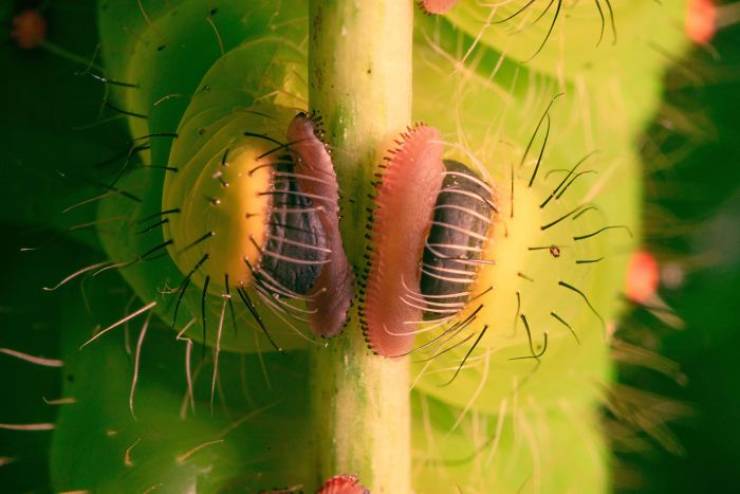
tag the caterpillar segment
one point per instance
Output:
(428, 232)
(331, 296)
(261, 214)
(463, 217)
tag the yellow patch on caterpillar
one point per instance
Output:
(223, 213)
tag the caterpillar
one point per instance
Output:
(246, 74)
(262, 216)
(222, 234)
(449, 234)
(474, 255)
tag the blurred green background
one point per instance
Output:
(692, 172)
(51, 119)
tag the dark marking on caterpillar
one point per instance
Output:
(296, 246)
(463, 216)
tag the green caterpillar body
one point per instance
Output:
(494, 417)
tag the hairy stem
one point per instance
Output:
(360, 82)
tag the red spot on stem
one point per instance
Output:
(437, 6)
(401, 220)
(343, 484)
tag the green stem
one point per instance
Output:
(360, 82)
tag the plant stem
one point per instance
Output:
(360, 82)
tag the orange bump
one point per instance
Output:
(643, 277)
(701, 21)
